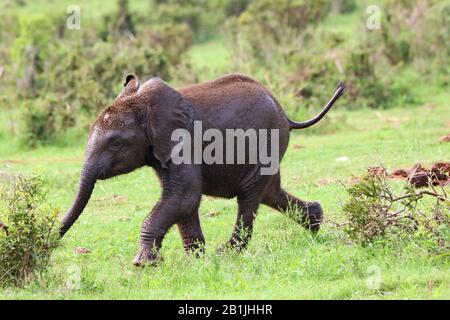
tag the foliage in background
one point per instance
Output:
(61, 78)
(28, 229)
(65, 83)
(285, 41)
(418, 32)
(202, 16)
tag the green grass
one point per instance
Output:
(210, 55)
(283, 260)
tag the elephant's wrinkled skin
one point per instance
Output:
(136, 130)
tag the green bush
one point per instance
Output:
(285, 40)
(28, 230)
(62, 84)
(374, 210)
(416, 30)
(270, 30)
(343, 6)
(203, 17)
(235, 7)
(44, 120)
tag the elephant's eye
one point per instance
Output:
(117, 143)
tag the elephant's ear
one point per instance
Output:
(131, 86)
(169, 111)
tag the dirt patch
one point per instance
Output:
(81, 250)
(115, 198)
(399, 174)
(418, 176)
(324, 182)
(378, 171)
(445, 138)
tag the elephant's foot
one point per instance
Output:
(231, 245)
(196, 250)
(315, 216)
(147, 257)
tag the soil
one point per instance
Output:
(445, 138)
(418, 176)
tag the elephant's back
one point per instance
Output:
(236, 101)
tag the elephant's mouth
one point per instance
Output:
(113, 172)
(103, 175)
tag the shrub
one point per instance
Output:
(373, 210)
(270, 30)
(203, 17)
(30, 50)
(416, 30)
(235, 7)
(123, 23)
(28, 230)
(68, 82)
(45, 119)
(311, 63)
(171, 39)
(343, 6)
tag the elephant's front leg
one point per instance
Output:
(191, 234)
(180, 199)
(155, 226)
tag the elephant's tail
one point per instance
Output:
(302, 125)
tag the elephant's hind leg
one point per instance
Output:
(248, 202)
(308, 214)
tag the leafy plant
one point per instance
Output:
(28, 229)
(373, 210)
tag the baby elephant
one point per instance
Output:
(151, 125)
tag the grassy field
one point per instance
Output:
(283, 260)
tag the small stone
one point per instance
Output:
(342, 159)
(211, 214)
(445, 138)
(120, 199)
(323, 182)
(81, 250)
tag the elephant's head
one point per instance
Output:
(137, 126)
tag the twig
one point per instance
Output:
(420, 194)
(4, 227)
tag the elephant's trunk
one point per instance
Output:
(87, 182)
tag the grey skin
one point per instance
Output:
(135, 131)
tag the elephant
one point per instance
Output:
(135, 131)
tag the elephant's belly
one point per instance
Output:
(226, 180)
